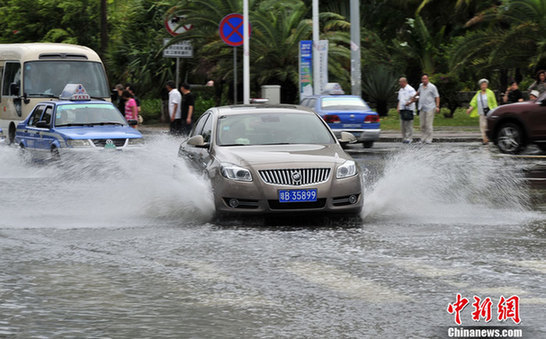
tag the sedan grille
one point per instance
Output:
(295, 177)
(102, 142)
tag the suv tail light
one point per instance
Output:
(332, 119)
(371, 119)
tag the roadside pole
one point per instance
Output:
(316, 60)
(235, 75)
(177, 71)
(246, 56)
(355, 48)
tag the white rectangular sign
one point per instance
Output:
(183, 49)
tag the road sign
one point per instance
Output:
(231, 29)
(174, 22)
(182, 49)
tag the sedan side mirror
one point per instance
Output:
(347, 138)
(42, 124)
(197, 141)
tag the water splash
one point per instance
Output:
(108, 189)
(448, 186)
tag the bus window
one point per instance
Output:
(12, 79)
(38, 75)
(36, 115)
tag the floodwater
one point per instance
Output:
(116, 247)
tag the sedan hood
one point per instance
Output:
(281, 154)
(99, 132)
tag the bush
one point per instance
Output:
(448, 87)
(150, 109)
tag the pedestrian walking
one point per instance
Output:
(188, 107)
(429, 104)
(175, 101)
(131, 111)
(540, 82)
(406, 109)
(131, 90)
(481, 104)
(512, 94)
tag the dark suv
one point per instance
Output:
(512, 127)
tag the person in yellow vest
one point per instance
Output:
(483, 102)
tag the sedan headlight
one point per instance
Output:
(237, 173)
(135, 142)
(348, 169)
(78, 143)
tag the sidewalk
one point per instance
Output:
(441, 134)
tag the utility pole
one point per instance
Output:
(246, 56)
(355, 48)
(316, 60)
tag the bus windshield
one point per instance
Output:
(48, 78)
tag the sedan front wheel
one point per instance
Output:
(510, 139)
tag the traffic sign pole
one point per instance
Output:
(235, 75)
(246, 56)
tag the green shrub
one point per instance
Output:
(150, 109)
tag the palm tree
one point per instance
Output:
(276, 29)
(513, 37)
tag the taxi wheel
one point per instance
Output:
(55, 156)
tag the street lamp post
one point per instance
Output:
(355, 48)
(246, 56)
(316, 60)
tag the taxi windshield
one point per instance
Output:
(344, 103)
(88, 114)
(271, 129)
(38, 77)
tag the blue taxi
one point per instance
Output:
(75, 123)
(347, 113)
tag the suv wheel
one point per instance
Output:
(510, 139)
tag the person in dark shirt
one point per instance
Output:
(121, 101)
(512, 94)
(188, 106)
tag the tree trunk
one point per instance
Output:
(103, 28)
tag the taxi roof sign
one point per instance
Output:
(74, 92)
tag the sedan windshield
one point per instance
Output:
(344, 103)
(272, 129)
(48, 78)
(88, 114)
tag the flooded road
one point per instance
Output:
(115, 247)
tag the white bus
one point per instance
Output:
(35, 72)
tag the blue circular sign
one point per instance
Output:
(231, 29)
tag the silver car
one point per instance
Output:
(273, 159)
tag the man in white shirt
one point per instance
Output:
(406, 111)
(429, 104)
(175, 101)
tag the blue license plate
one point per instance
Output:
(298, 195)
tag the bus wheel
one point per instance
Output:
(11, 133)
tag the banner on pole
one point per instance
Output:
(306, 67)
